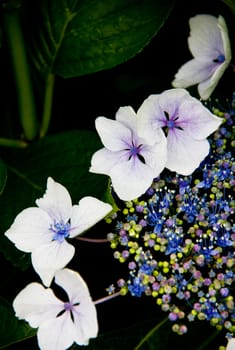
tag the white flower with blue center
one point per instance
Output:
(43, 231)
(59, 323)
(210, 46)
(186, 122)
(127, 158)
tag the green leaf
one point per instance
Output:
(66, 158)
(127, 338)
(77, 37)
(12, 330)
(3, 176)
(230, 4)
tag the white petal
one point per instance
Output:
(51, 257)
(56, 334)
(150, 118)
(231, 344)
(208, 39)
(197, 121)
(85, 322)
(87, 213)
(193, 72)
(184, 153)
(205, 88)
(114, 135)
(225, 38)
(104, 160)
(30, 229)
(74, 285)
(131, 179)
(36, 304)
(155, 156)
(127, 116)
(56, 201)
(205, 37)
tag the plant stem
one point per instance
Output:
(150, 333)
(20, 65)
(46, 116)
(92, 240)
(12, 143)
(208, 340)
(108, 297)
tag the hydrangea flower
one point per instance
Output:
(59, 323)
(130, 162)
(43, 230)
(187, 124)
(210, 47)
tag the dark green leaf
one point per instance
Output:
(127, 338)
(66, 158)
(12, 330)
(74, 38)
(3, 176)
(230, 4)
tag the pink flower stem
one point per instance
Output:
(92, 240)
(108, 297)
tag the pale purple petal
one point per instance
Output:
(56, 201)
(127, 116)
(74, 285)
(30, 229)
(196, 120)
(85, 215)
(104, 160)
(84, 314)
(131, 179)
(205, 37)
(114, 135)
(193, 72)
(193, 117)
(184, 153)
(36, 304)
(209, 44)
(155, 156)
(56, 334)
(205, 88)
(51, 257)
(170, 100)
(85, 322)
(150, 120)
(225, 38)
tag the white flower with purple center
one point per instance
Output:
(130, 162)
(210, 46)
(43, 230)
(59, 323)
(186, 122)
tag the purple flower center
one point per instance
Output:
(68, 306)
(61, 230)
(134, 151)
(219, 59)
(171, 122)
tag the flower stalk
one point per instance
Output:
(107, 298)
(46, 116)
(20, 67)
(150, 333)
